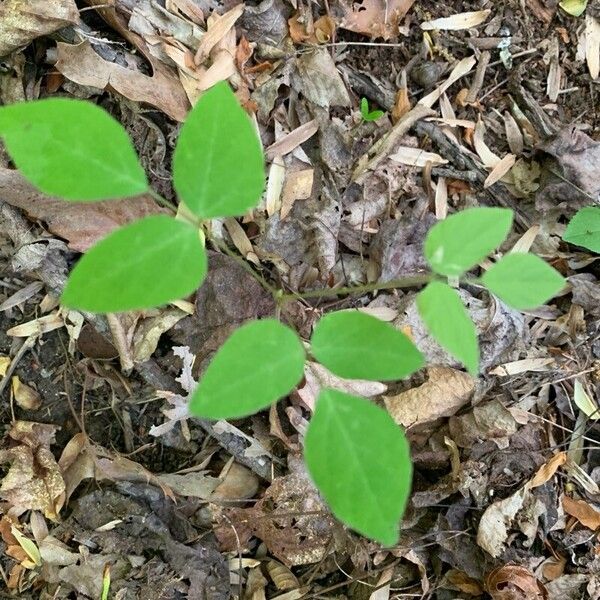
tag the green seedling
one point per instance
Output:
(369, 115)
(357, 456)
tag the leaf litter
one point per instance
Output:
(483, 105)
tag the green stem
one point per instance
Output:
(404, 282)
(161, 200)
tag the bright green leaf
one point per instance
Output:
(574, 7)
(354, 345)
(71, 149)
(584, 229)
(523, 280)
(142, 265)
(259, 363)
(360, 461)
(369, 115)
(448, 321)
(218, 165)
(464, 239)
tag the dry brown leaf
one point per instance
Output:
(547, 470)
(4, 364)
(22, 21)
(586, 514)
(375, 18)
(442, 395)
(514, 136)
(34, 480)
(26, 397)
(402, 103)
(512, 582)
(317, 377)
(500, 170)
(541, 10)
(462, 582)
(82, 224)
(22, 295)
(238, 483)
(81, 64)
(322, 30)
(553, 567)
(292, 140)
(462, 68)
(415, 157)
(217, 30)
(495, 521)
(297, 186)
(458, 21)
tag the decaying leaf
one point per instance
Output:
(375, 18)
(317, 77)
(586, 514)
(25, 396)
(81, 224)
(22, 21)
(513, 582)
(317, 377)
(38, 326)
(444, 393)
(34, 480)
(82, 65)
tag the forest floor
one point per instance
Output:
(102, 493)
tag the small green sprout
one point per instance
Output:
(367, 114)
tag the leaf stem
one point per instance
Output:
(161, 200)
(404, 282)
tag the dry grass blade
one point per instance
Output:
(459, 21)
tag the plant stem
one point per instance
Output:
(404, 282)
(161, 200)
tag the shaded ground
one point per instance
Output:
(100, 479)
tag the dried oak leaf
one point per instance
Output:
(442, 395)
(512, 582)
(82, 224)
(162, 90)
(34, 480)
(375, 18)
(22, 21)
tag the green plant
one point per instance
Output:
(584, 229)
(358, 457)
(366, 113)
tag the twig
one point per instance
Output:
(388, 142)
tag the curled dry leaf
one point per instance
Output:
(442, 395)
(374, 18)
(415, 157)
(34, 480)
(592, 45)
(38, 326)
(162, 90)
(512, 582)
(548, 469)
(586, 514)
(22, 21)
